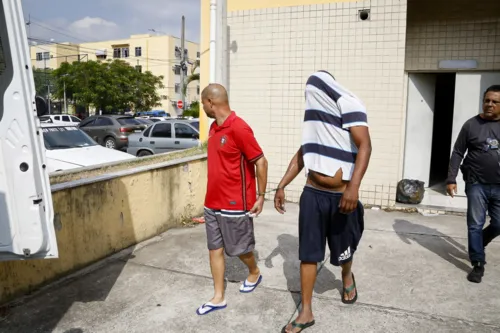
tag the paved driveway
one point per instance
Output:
(410, 271)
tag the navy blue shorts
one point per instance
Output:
(320, 220)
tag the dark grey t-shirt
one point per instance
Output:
(480, 139)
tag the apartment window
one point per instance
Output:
(125, 52)
(177, 88)
(46, 55)
(139, 68)
(117, 53)
(177, 70)
(101, 57)
(177, 52)
(138, 51)
(198, 54)
(39, 56)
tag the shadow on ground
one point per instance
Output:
(288, 249)
(440, 244)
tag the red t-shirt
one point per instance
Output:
(232, 152)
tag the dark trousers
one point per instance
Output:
(482, 198)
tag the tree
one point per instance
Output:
(193, 111)
(108, 86)
(42, 78)
(192, 77)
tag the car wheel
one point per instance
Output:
(110, 143)
(144, 153)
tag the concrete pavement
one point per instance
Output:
(410, 271)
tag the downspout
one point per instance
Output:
(213, 37)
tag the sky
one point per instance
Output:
(94, 20)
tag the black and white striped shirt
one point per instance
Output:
(331, 110)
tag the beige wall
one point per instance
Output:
(96, 220)
(59, 53)
(278, 48)
(453, 30)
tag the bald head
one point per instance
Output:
(215, 93)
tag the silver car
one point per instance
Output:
(163, 137)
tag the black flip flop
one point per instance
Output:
(298, 325)
(346, 291)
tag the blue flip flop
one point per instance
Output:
(210, 307)
(248, 287)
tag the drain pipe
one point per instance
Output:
(213, 37)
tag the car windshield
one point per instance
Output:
(195, 124)
(128, 121)
(65, 138)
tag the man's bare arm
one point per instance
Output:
(361, 138)
(261, 166)
(296, 165)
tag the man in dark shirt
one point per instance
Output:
(479, 138)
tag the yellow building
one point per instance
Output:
(52, 55)
(420, 66)
(160, 54)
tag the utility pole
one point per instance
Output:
(183, 64)
(64, 76)
(47, 82)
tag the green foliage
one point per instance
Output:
(193, 111)
(192, 77)
(42, 79)
(107, 86)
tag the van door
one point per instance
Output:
(26, 211)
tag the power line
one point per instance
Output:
(71, 47)
(39, 23)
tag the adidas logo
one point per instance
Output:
(346, 255)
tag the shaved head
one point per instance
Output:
(216, 93)
(215, 101)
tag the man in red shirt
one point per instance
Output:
(232, 200)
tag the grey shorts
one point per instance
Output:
(231, 230)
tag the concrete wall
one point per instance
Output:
(98, 218)
(278, 48)
(453, 30)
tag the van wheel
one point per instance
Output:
(144, 153)
(110, 143)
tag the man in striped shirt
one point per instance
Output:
(335, 152)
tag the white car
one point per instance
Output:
(60, 119)
(68, 147)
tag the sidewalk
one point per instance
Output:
(410, 270)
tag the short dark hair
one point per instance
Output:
(493, 88)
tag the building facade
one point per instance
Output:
(420, 66)
(159, 54)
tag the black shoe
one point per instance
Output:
(476, 274)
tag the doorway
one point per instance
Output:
(442, 130)
(429, 127)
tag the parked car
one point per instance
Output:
(162, 137)
(154, 119)
(111, 131)
(145, 121)
(60, 119)
(68, 147)
(195, 122)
